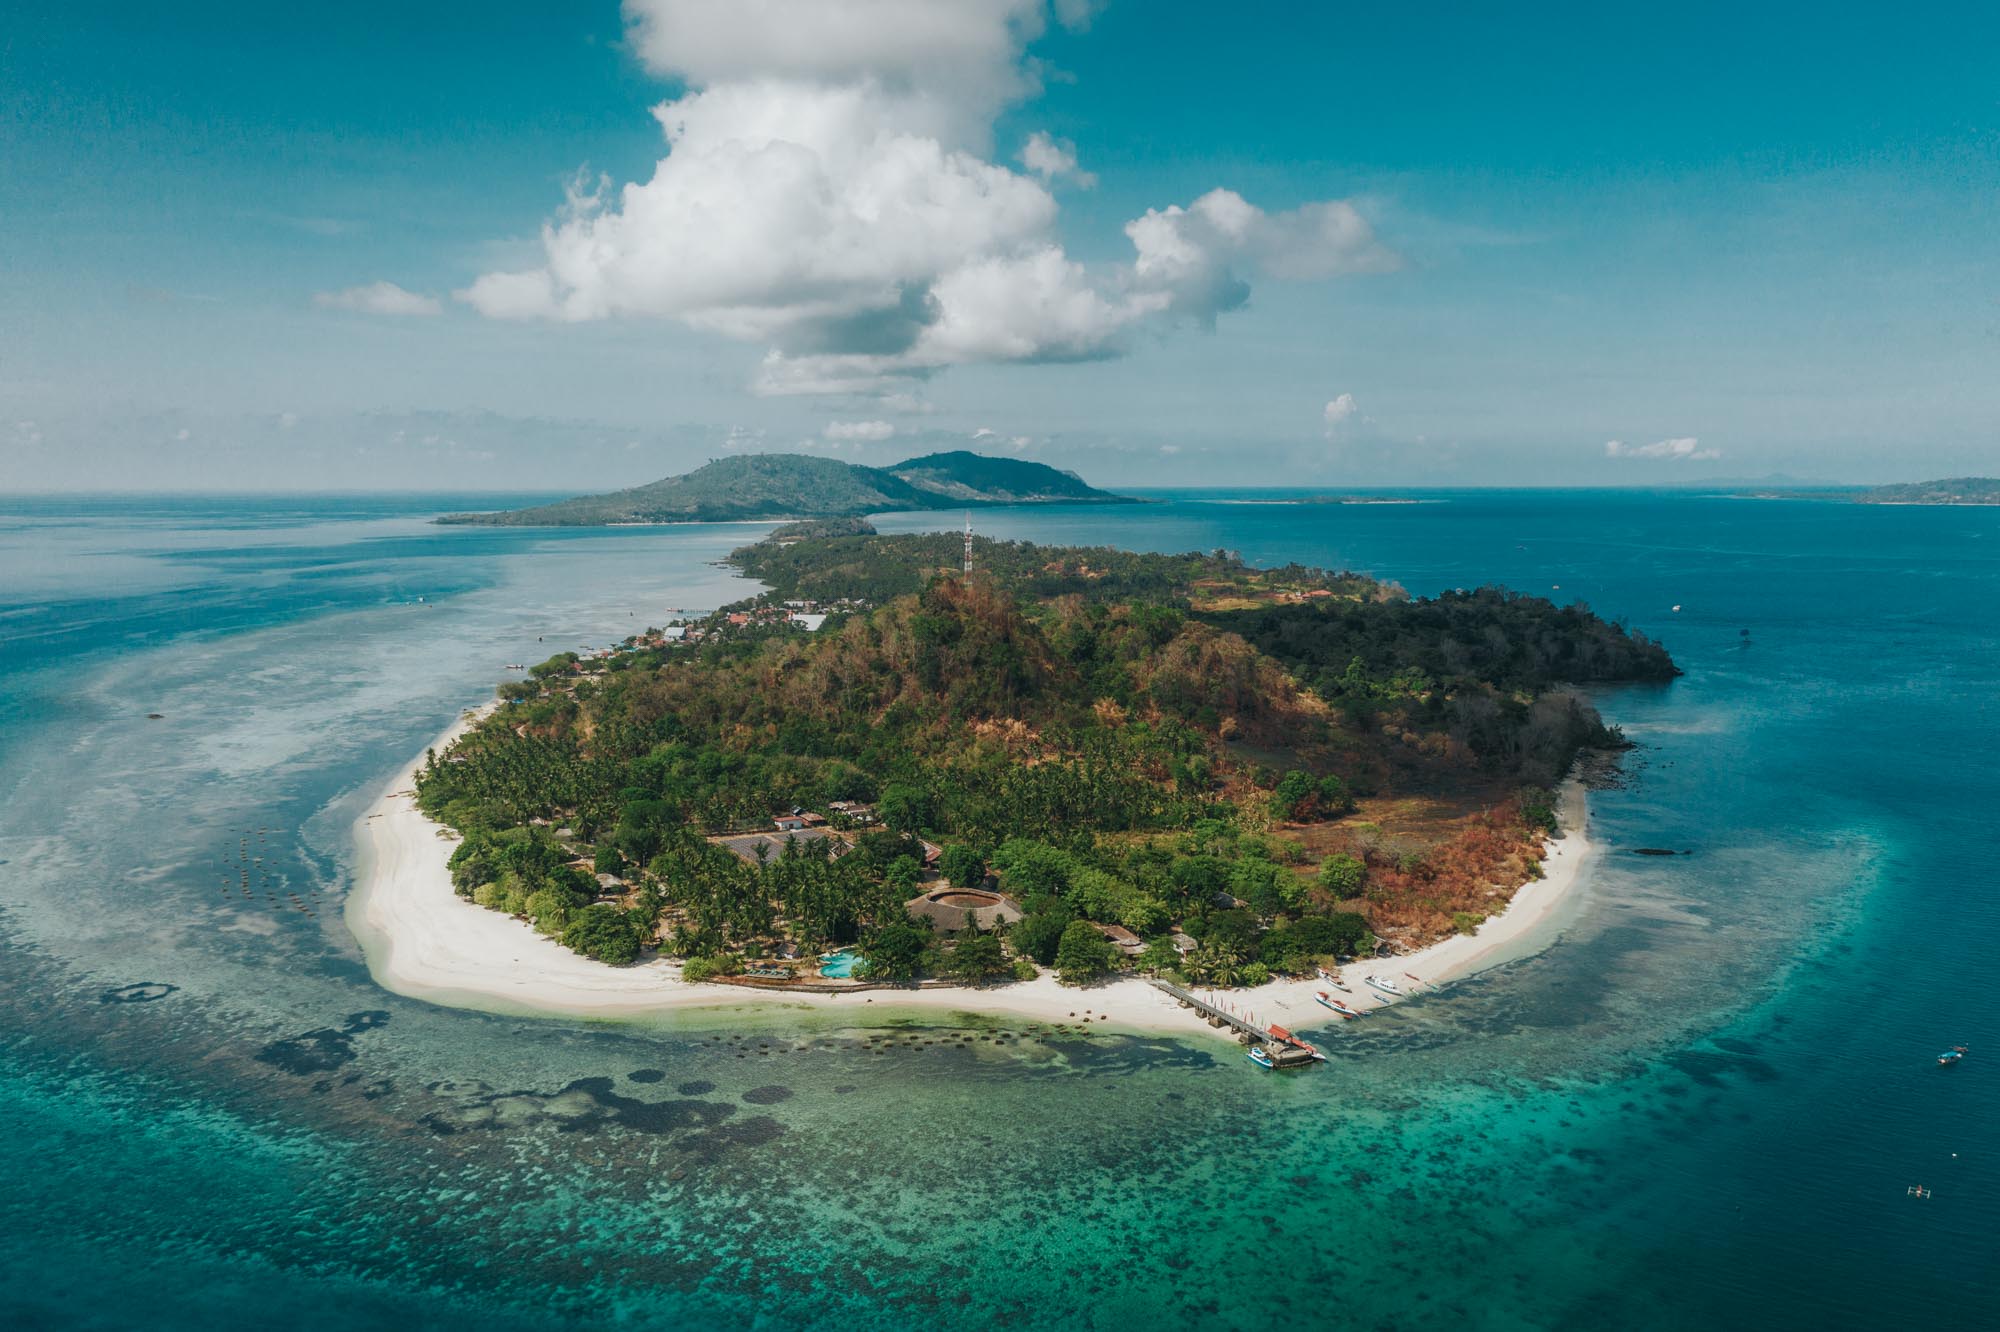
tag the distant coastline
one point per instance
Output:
(1960, 491)
(1334, 499)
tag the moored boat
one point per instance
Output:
(1951, 1056)
(1262, 1057)
(1328, 1001)
(1385, 986)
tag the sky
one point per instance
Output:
(577, 246)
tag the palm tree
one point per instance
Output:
(1216, 964)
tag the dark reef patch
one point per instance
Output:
(767, 1095)
(1709, 1068)
(696, 1088)
(140, 992)
(757, 1131)
(323, 1049)
(585, 1105)
(646, 1075)
(318, 1051)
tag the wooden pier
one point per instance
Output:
(1286, 1053)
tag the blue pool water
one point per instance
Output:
(1703, 1106)
(841, 965)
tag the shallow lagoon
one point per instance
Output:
(1705, 1103)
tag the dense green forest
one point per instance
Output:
(1167, 744)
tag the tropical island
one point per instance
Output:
(1067, 763)
(1951, 490)
(792, 485)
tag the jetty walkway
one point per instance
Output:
(1283, 1047)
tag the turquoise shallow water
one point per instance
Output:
(1704, 1104)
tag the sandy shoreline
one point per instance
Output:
(424, 941)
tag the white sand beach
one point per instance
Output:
(422, 940)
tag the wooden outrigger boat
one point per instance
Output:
(1328, 1001)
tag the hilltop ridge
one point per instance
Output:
(791, 485)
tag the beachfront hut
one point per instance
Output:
(1123, 939)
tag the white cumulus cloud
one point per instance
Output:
(380, 298)
(1338, 413)
(827, 191)
(1054, 159)
(858, 430)
(1686, 448)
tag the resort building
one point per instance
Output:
(773, 843)
(953, 909)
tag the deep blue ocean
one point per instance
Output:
(1703, 1106)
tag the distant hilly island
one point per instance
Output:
(1949, 490)
(795, 485)
(1952, 490)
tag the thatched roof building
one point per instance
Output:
(954, 909)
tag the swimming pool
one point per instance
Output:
(842, 965)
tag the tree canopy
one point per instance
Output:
(1125, 739)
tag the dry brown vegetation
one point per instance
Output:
(1429, 859)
